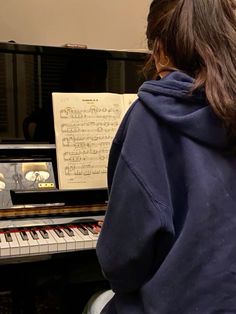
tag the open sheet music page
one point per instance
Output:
(128, 99)
(85, 125)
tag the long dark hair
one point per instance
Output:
(199, 37)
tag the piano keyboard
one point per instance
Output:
(38, 237)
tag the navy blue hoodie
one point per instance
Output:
(168, 243)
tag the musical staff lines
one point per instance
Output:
(85, 125)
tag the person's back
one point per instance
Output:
(168, 240)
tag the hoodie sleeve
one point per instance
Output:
(134, 236)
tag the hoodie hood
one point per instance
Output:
(169, 99)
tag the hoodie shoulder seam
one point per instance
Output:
(156, 203)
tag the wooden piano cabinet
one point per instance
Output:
(60, 284)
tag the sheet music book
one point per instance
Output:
(85, 125)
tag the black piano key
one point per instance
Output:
(68, 231)
(92, 228)
(8, 237)
(34, 234)
(44, 233)
(83, 230)
(24, 236)
(59, 232)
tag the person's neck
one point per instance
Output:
(164, 73)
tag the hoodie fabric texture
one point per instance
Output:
(168, 242)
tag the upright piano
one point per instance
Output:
(47, 235)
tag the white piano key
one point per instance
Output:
(88, 241)
(61, 244)
(52, 244)
(80, 243)
(94, 237)
(33, 244)
(43, 244)
(14, 245)
(70, 241)
(4, 246)
(24, 245)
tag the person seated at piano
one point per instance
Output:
(167, 244)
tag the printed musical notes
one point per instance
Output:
(85, 125)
